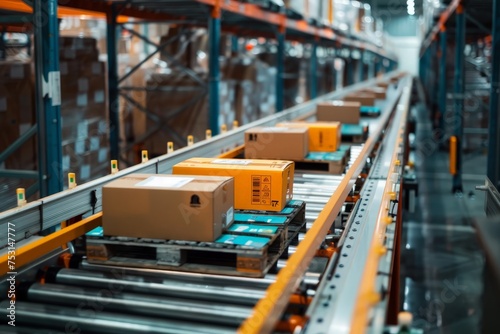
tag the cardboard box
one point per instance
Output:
(323, 136)
(338, 111)
(366, 99)
(383, 84)
(258, 184)
(277, 143)
(168, 207)
(380, 92)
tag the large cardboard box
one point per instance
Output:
(258, 184)
(380, 92)
(338, 111)
(323, 136)
(168, 207)
(366, 99)
(277, 143)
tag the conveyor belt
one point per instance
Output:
(107, 299)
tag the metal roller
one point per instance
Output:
(90, 300)
(27, 330)
(312, 199)
(163, 287)
(158, 275)
(70, 320)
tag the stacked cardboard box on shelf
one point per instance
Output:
(294, 87)
(254, 86)
(83, 108)
(17, 112)
(173, 100)
(17, 115)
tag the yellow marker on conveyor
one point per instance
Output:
(190, 140)
(208, 134)
(170, 147)
(71, 180)
(114, 166)
(388, 220)
(144, 156)
(235, 124)
(223, 128)
(21, 196)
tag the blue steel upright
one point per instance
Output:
(371, 65)
(361, 69)
(434, 78)
(378, 65)
(493, 172)
(280, 69)
(234, 44)
(48, 102)
(442, 77)
(350, 70)
(314, 68)
(113, 94)
(459, 93)
(213, 71)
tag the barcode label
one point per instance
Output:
(255, 189)
(261, 189)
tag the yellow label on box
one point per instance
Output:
(258, 184)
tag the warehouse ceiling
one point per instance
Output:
(478, 13)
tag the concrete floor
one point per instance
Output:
(441, 270)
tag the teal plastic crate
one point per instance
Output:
(326, 156)
(370, 111)
(253, 229)
(242, 240)
(263, 219)
(352, 130)
(97, 232)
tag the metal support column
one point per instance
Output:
(350, 71)
(213, 70)
(434, 78)
(422, 67)
(442, 77)
(459, 92)
(234, 45)
(371, 65)
(280, 69)
(377, 66)
(361, 69)
(313, 80)
(494, 124)
(3, 47)
(114, 107)
(48, 96)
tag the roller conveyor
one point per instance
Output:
(116, 300)
(163, 287)
(61, 318)
(161, 301)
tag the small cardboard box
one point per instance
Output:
(258, 184)
(323, 136)
(380, 92)
(338, 111)
(366, 99)
(276, 143)
(192, 208)
(383, 84)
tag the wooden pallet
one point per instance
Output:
(352, 133)
(369, 111)
(323, 162)
(201, 257)
(294, 217)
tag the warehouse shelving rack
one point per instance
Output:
(238, 18)
(434, 56)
